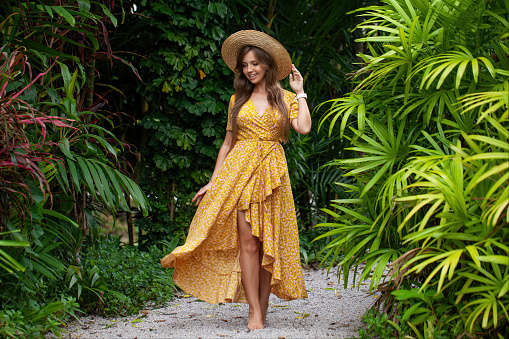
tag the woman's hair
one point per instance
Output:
(244, 88)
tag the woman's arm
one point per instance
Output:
(223, 152)
(302, 123)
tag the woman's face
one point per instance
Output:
(252, 69)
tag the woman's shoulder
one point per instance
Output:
(288, 96)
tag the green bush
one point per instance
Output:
(36, 320)
(132, 277)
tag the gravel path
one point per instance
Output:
(329, 311)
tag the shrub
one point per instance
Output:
(38, 319)
(132, 277)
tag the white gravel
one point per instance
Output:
(329, 311)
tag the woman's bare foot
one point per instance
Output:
(255, 321)
(264, 317)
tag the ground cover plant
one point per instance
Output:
(428, 122)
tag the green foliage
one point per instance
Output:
(184, 99)
(37, 320)
(426, 309)
(60, 163)
(131, 278)
(376, 325)
(34, 299)
(428, 126)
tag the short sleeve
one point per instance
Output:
(294, 108)
(230, 107)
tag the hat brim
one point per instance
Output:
(235, 42)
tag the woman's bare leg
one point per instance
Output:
(264, 289)
(250, 270)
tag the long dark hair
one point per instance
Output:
(244, 88)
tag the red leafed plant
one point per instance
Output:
(22, 137)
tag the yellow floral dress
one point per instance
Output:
(254, 178)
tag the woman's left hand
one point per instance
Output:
(296, 81)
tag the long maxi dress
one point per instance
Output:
(253, 178)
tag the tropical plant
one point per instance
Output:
(59, 164)
(429, 123)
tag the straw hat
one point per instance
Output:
(235, 42)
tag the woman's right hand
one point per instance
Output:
(201, 193)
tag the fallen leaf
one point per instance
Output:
(186, 296)
(136, 321)
(305, 315)
(331, 283)
(210, 316)
(144, 312)
(160, 321)
(281, 306)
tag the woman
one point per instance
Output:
(243, 241)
